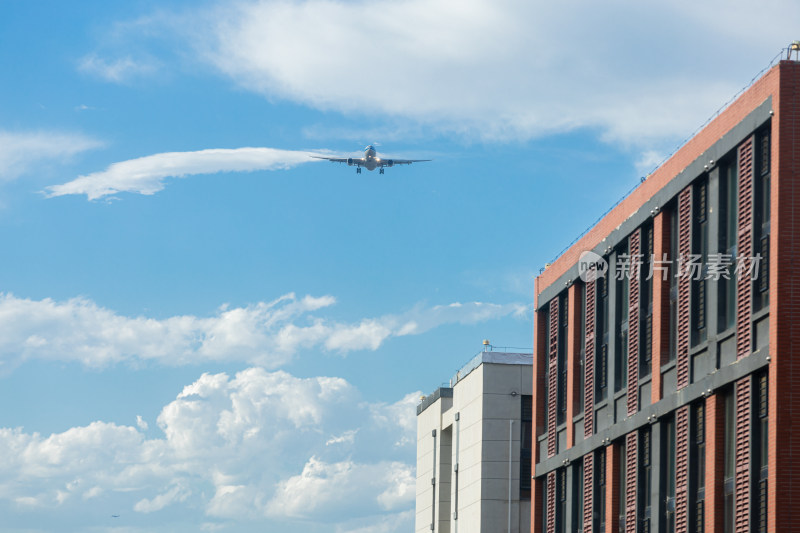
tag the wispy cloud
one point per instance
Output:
(118, 70)
(24, 152)
(146, 175)
(649, 160)
(257, 440)
(266, 333)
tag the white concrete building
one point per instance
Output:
(474, 447)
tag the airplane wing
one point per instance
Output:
(356, 161)
(385, 162)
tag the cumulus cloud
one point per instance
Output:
(80, 330)
(500, 70)
(175, 494)
(145, 175)
(249, 446)
(266, 333)
(343, 487)
(24, 152)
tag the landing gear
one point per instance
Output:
(358, 170)
(381, 172)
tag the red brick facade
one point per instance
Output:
(661, 237)
(784, 369)
(573, 359)
(672, 381)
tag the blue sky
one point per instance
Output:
(202, 328)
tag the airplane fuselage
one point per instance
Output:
(371, 162)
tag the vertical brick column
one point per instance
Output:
(634, 250)
(538, 490)
(784, 286)
(661, 242)
(588, 492)
(715, 464)
(613, 454)
(684, 284)
(631, 480)
(573, 358)
(682, 470)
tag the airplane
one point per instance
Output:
(370, 161)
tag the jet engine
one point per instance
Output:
(389, 163)
(349, 161)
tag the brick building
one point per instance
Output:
(667, 402)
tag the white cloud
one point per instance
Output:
(401, 414)
(346, 437)
(146, 175)
(251, 446)
(212, 526)
(266, 333)
(141, 423)
(391, 523)
(501, 70)
(368, 335)
(175, 494)
(341, 488)
(400, 483)
(24, 152)
(117, 70)
(648, 161)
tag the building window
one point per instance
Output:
(646, 303)
(645, 477)
(761, 225)
(760, 453)
(546, 332)
(601, 343)
(700, 250)
(599, 513)
(730, 461)
(526, 447)
(563, 309)
(697, 475)
(621, 310)
(728, 228)
(577, 495)
(561, 500)
(668, 474)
